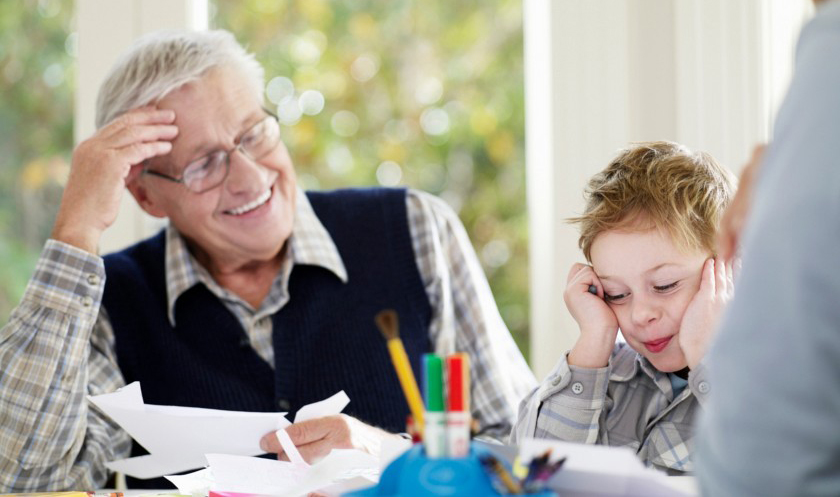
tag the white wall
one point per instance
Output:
(106, 28)
(600, 74)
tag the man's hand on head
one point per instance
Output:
(101, 167)
(315, 438)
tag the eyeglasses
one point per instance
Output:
(210, 171)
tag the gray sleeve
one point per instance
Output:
(698, 382)
(566, 406)
(771, 426)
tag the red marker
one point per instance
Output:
(458, 405)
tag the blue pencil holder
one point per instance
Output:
(414, 474)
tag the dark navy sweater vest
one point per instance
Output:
(325, 338)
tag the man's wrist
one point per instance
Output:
(84, 239)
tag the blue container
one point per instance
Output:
(413, 474)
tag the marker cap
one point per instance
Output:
(458, 372)
(433, 382)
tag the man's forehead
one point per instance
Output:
(219, 96)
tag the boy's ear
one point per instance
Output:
(137, 187)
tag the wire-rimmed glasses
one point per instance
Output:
(211, 170)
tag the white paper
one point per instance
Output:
(339, 465)
(390, 449)
(178, 437)
(289, 448)
(341, 468)
(252, 475)
(326, 407)
(597, 470)
(345, 486)
(197, 483)
(151, 466)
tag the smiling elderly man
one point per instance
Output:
(255, 297)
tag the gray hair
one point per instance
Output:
(163, 61)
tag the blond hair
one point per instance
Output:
(661, 185)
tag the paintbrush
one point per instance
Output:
(388, 324)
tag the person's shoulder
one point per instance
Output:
(433, 201)
(427, 205)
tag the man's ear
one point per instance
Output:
(137, 187)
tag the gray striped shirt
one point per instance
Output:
(629, 403)
(58, 345)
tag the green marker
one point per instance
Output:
(434, 431)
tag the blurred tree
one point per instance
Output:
(424, 94)
(428, 95)
(37, 63)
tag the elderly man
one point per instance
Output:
(256, 297)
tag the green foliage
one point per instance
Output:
(423, 94)
(36, 132)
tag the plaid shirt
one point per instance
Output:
(59, 346)
(628, 403)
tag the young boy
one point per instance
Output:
(648, 232)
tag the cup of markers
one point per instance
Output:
(446, 462)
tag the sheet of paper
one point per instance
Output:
(597, 470)
(197, 483)
(338, 466)
(345, 486)
(326, 407)
(254, 475)
(391, 449)
(289, 448)
(152, 466)
(178, 437)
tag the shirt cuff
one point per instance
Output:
(698, 382)
(577, 387)
(68, 280)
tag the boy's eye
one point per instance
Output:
(614, 298)
(665, 288)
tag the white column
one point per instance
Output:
(600, 74)
(577, 114)
(722, 103)
(106, 28)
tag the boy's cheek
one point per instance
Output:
(679, 303)
(627, 335)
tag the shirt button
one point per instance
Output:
(244, 342)
(87, 301)
(283, 404)
(577, 388)
(555, 381)
(93, 279)
(703, 387)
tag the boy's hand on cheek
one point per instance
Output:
(701, 317)
(598, 323)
